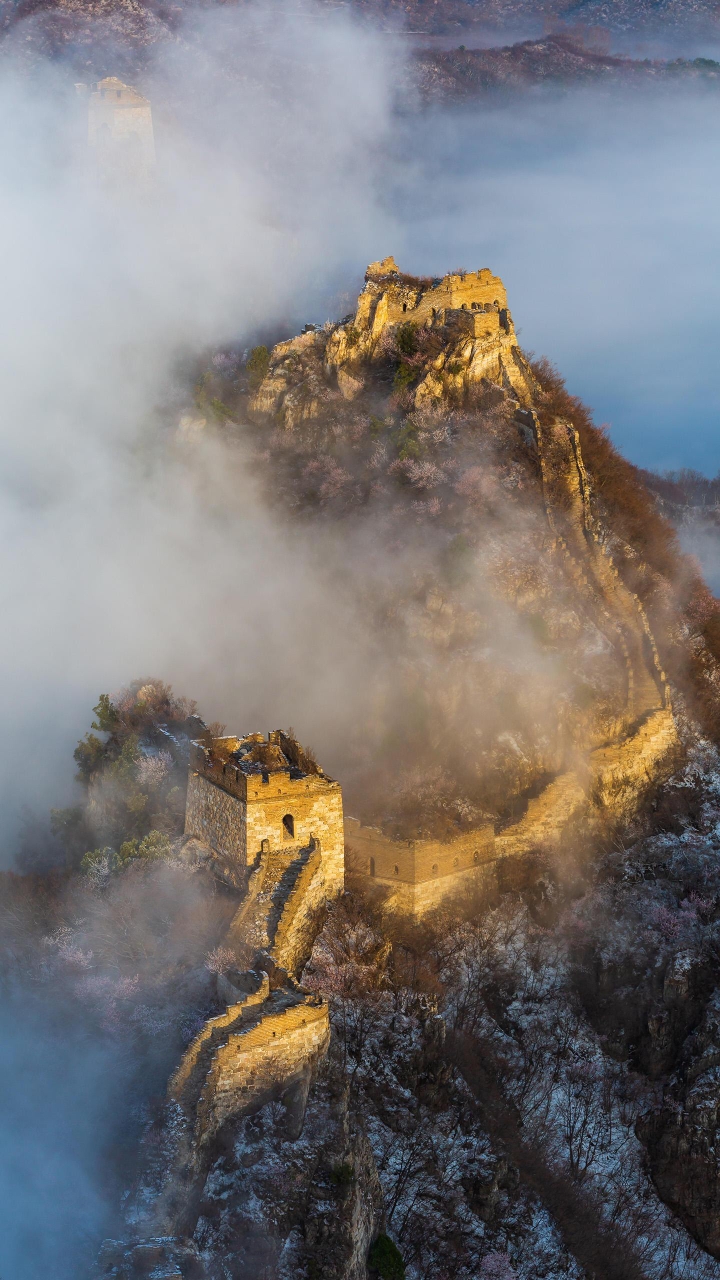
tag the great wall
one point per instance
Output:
(268, 820)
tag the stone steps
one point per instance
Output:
(617, 772)
(546, 814)
(254, 924)
(274, 898)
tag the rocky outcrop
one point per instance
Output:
(459, 327)
(308, 1207)
(163, 1259)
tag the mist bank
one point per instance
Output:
(286, 163)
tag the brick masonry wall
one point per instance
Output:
(413, 861)
(315, 806)
(420, 874)
(217, 819)
(235, 829)
(192, 1054)
(254, 1064)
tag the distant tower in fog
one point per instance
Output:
(120, 131)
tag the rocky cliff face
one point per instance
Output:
(450, 333)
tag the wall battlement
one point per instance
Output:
(120, 130)
(418, 874)
(275, 1055)
(250, 795)
(475, 302)
(455, 291)
(467, 312)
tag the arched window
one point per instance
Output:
(404, 306)
(288, 827)
(372, 866)
(434, 868)
(396, 869)
(456, 862)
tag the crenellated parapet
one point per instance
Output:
(401, 298)
(254, 806)
(418, 875)
(250, 795)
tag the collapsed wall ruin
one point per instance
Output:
(468, 312)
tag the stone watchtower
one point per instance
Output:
(120, 130)
(255, 795)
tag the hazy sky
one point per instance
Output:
(599, 211)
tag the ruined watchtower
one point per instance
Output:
(254, 795)
(120, 130)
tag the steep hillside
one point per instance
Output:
(526, 598)
(558, 59)
(521, 1086)
(125, 37)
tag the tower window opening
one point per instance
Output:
(435, 868)
(288, 827)
(372, 866)
(397, 869)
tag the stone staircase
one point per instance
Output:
(566, 490)
(186, 1083)
(546, 814)
(263, 925)
(256, 922)
(266, 1045)
(617, 772)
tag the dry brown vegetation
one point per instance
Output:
(618, 485)
(685, 614)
